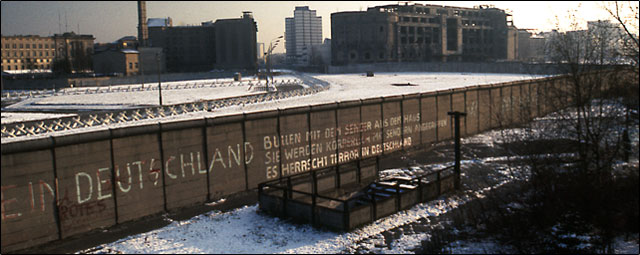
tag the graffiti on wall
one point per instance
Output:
(87, 190)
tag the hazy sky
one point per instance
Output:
(108, 21)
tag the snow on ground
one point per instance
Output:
(360, 86)
(626, 246)
(136, 98)
(488, 246)
(343, 87)
(246, 231)
(10, 117)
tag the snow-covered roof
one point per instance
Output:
(157, 22)
(128, 38)
(129, 51)
(27, 71)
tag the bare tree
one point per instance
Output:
(626, 15)
(587, 128)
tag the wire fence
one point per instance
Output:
(23, 94)
(37, 127)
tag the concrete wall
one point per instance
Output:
(66, 185)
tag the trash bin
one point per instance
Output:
(237, 76)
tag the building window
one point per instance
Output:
(130, 65)
(21, 46)
(136, 64)
(27, 46)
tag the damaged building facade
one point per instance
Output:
(422, 33)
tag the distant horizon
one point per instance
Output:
(109, 21)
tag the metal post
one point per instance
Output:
(314, 191)
(398, 198)
(266, 85)
(456, 117)
(159, 83)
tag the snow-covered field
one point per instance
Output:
(343, 87)
(115, 97)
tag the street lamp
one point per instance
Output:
(268, 59)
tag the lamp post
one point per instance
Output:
(268, 59)
(159, 84)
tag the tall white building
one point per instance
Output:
(301, 32)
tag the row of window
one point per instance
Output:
(421, 20)
(468, 13)
(28, 46)
(35, 54)
(465, 22)
(381, 55)
(420, 30)
(426, 40)
(27, 60)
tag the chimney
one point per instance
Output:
(143, 31)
